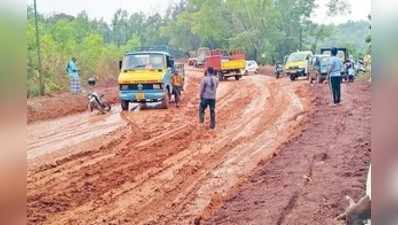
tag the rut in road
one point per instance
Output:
(162, 168)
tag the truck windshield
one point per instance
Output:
(340, 54)
(324, 59)
(299, 56)
(144, 61)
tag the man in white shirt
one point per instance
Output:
(336, 66)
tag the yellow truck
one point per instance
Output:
(298, 64)
(145, 76)
(225, 64)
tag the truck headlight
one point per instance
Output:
(157, 86)
(124, 86)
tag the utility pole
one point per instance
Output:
(41, 83)
(301, 32)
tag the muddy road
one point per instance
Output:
(306, 183)
(158, 166)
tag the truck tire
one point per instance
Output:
(292, 77)
(165, 101)
(237, 77)
(124, 104)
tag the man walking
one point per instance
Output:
(177, 82)
(335, 69)
(208, 89)
(73, 73)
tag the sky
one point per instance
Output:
(106, 8)
(360, 9)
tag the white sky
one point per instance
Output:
(106, 8)
(360, 9)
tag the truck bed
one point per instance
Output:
(233, 64)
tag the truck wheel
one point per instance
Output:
(237, 77)
(124, 104)
(165, 101)
(292, 77)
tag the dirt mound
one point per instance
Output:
(62, 104)
(306, 182)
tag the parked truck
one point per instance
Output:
(201, 55)
(298, 64)
(226, 64)
(145, 76)
(342, 53)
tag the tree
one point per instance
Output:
(132, 44)
(120, 27)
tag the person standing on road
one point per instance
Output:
(177, 82)
(74, 78)
(335, 69)
(208, 89)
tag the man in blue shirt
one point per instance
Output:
(336, 66)
(208, 89)
(74, 78)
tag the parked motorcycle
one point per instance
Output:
(96, 101)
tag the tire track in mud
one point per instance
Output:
(164, 173)
(239, 159)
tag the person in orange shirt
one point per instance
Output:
(177, 82)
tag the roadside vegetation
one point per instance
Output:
(267, 30)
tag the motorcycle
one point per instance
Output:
(97, 102)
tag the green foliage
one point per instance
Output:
(92, 42)
(351, 35)
(132, 44)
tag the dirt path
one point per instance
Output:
(307, 181)
(158, 166)
(49, 137)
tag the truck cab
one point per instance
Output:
(201, 55)
(145, 76)
(298, 64)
